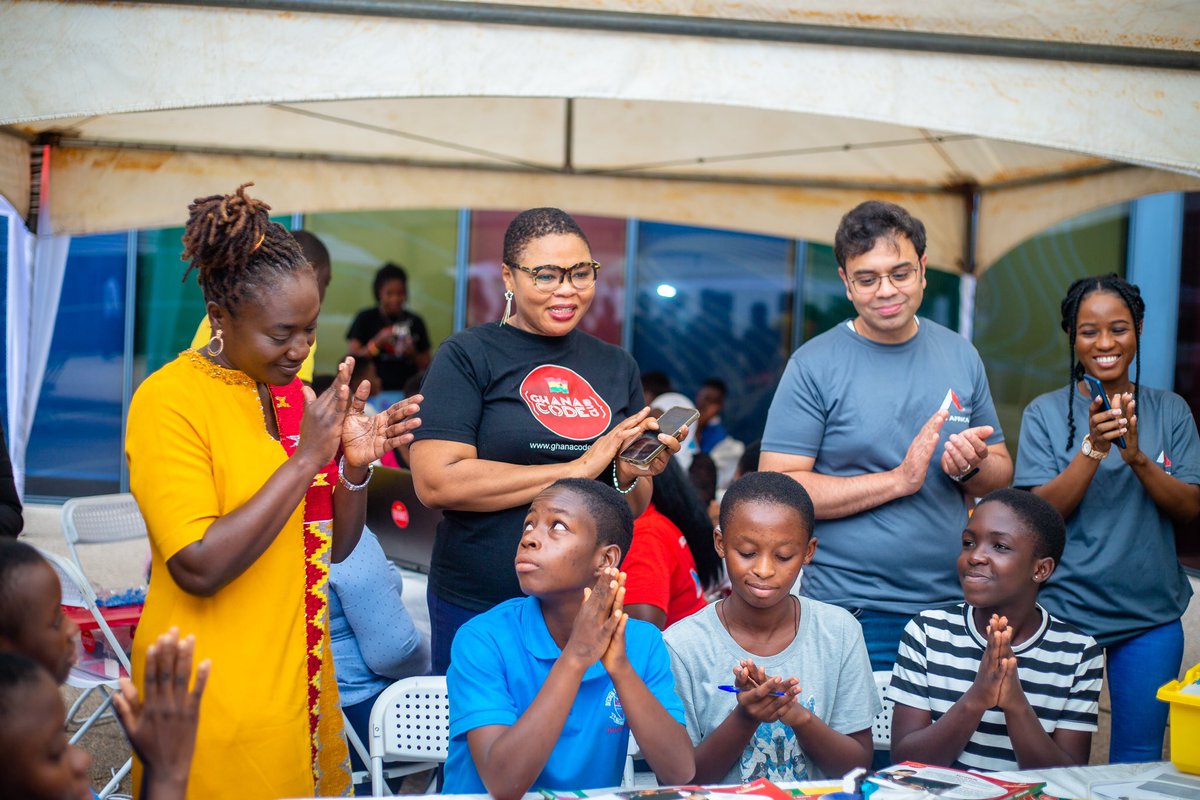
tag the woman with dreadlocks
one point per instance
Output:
(250, 484)
(1119, 579)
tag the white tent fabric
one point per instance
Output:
(343, 111)
(35, 271)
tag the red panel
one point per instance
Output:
(485, 290)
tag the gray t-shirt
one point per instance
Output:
(855, 405)
(828, 656)
(1120, 574)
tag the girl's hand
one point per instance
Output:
(321, 428)
(365, 439)
(1104, 426)
(1128, 409)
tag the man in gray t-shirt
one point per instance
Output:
(888, 422)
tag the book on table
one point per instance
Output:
(912, 779)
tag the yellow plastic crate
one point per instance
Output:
(1185, 722)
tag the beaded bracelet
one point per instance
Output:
(617, 484)
(354, 487)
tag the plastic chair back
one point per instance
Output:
(410, 722)
(100, 520)
(77, 591)
(881, 728)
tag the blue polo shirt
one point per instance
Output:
(499, 661)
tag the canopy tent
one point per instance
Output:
(991, 121)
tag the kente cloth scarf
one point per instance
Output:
(330, 754)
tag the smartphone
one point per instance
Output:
(1097, 388)
(642, 450)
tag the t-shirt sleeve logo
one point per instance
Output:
(565, 403)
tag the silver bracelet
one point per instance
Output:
(354, 487)
(617, 484)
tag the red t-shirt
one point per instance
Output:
(660, 570)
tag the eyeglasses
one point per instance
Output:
(549, 277)
(900, 278)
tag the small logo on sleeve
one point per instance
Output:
(951, 400)
(1164, 461)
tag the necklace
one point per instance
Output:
(795, 615)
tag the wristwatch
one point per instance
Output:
(966, 476)
(1090, 451)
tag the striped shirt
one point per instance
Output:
(1060, 668)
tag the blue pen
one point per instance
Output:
(736, 690)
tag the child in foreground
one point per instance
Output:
(35, 759)
(545, 690)
(806, 697)
(1033, 698)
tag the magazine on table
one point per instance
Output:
(912, 779)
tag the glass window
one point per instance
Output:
(75, 446)
(169, 308)
(1187, 354)
(1017, 308)
(485, 287)
(826, 304)
(423, 242)
(715, 304)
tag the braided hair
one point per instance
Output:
(1076, 294)
(236, 249)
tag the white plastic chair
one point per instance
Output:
(410, 723)
(102, 519)
(77, 592)
(881, 728)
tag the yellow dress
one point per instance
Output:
(198, 448)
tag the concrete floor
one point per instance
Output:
(122, 565)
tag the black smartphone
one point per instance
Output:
(1097, 388)
(642, 450)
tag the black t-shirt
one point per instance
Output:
(394, 369)
(519, 398)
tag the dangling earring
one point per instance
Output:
(508, 296)
(220, 348)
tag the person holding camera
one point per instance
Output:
(391, 335)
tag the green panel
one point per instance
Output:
(1017, 307)
(169, 308)
(826, 304)
(423, 242)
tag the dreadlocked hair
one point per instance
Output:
(1076, 294)
(235, 248)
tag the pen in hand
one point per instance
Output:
(736, 690)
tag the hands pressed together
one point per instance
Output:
(599, 630)
(337, 418)
(996, 684)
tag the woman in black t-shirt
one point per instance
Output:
(516, 406)
(391, 335)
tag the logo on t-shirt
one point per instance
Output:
(565, 403)
(951, 399)
(1164, 461)
(615, 712)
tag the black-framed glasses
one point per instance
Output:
(549, 277)
(900, 278)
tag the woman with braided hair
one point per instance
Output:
(1119, 579)
(250, 484)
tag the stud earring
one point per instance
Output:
(220, 347)
(508, 298)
